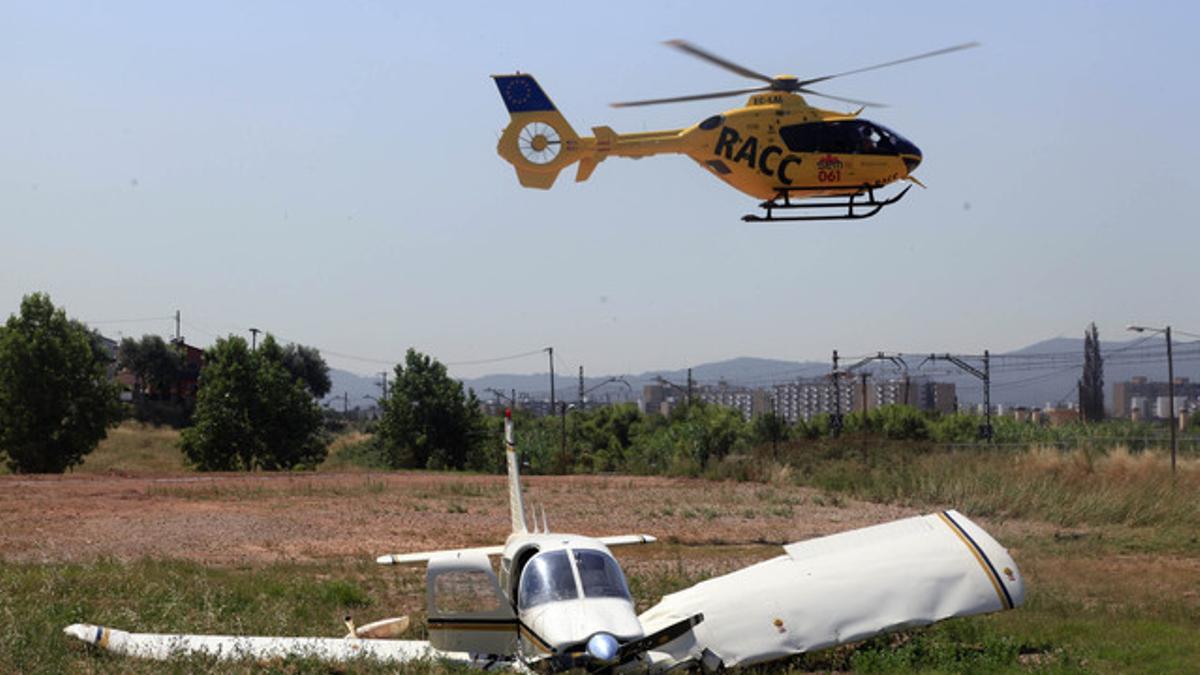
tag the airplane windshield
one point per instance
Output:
(547, 578)
(600, 574)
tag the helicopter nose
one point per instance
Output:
(912, 160)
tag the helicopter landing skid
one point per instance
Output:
(782, 200)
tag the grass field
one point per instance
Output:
(1108, 544)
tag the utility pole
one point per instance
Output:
(550, 350)
(987, 395)
(383, 374)
(835, 425)
(563, 417)
(1171, 395)
(178, 338)
(1166, 331)
(345, 403)
(689, 387)
(581, 392)
(254, 338)
(863, 375)
(984, 375)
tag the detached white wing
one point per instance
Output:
(162, 647)
(839, 589)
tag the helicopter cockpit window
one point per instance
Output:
(600, 575)
(547, 578)
(848, 137)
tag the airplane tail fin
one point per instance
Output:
(516, 504)
(538, 141)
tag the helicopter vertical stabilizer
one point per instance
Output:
(538, 141)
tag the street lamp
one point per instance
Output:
(611, 380)
(1170, 381)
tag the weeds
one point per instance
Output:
(1080, 487)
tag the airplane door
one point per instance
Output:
(466, 609)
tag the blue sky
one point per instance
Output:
(327, 172)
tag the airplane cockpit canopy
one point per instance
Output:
(570, 574)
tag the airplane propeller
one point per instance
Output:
(631, 650)
(782, 83)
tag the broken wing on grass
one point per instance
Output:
(839, 589)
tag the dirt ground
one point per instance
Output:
(238, 519)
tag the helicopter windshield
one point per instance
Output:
(549, 577)
(847, 137)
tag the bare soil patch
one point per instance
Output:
(237, 519)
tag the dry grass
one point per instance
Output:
(1067, 489)
(134, 448)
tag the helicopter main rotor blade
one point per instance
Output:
(699, 53)
(938, 52)
(868, 104)
(693, 97)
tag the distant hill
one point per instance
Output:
(1026, 385)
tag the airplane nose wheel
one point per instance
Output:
(539, 143)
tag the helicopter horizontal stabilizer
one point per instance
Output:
(586, 166)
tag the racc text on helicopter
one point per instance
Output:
(797, 158)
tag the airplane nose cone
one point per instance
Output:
(602, 647)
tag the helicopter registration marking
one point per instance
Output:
(748, 153)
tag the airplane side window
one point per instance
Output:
(465, 592)
(547, 578)
(600, 575)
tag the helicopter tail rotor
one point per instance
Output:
(538, 141)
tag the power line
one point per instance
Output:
(142, 320)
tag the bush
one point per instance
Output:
(56, 397)
(429, 422)
(252, 413)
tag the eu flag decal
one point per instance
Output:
(521, 93)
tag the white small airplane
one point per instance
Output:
(561, 601)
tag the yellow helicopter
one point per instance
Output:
(797, 158)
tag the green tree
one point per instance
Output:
(307, 364)
(156, 365)
(1091, 385)
(769, 428)
(690, 439)
(56, 397)
(429, 421)
(602, 436)
(955, 428)
(252, 412)
(900, 423)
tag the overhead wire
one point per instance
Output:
(141, 320)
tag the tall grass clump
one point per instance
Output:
(1068, 488)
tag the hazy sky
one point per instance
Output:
(327, 172)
